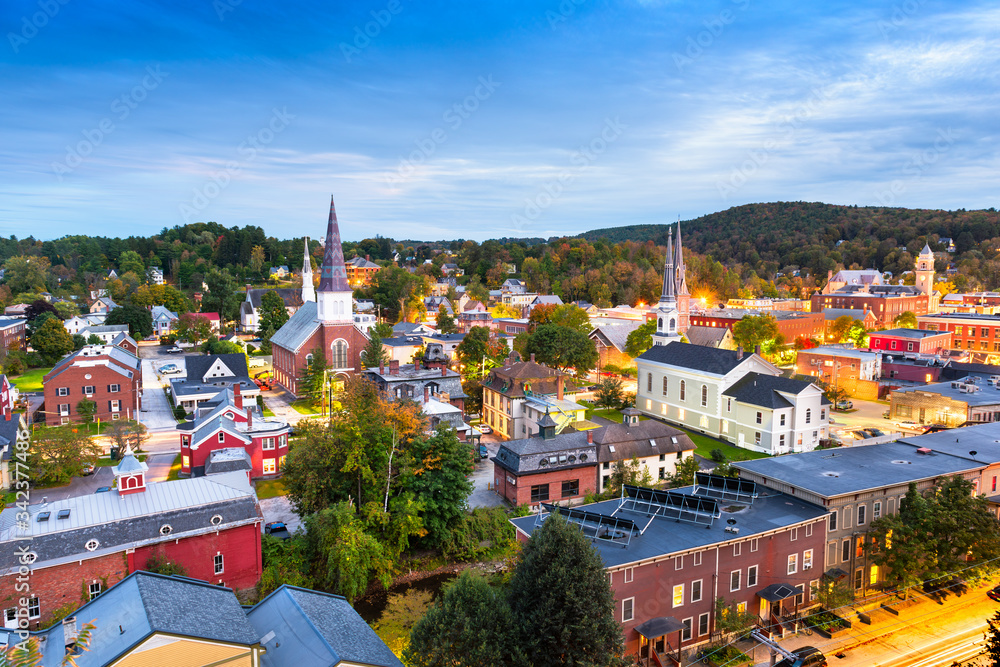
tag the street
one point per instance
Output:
(866, 414)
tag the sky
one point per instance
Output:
(444, 120)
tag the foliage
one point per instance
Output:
(179, 411)
(718, 456)
(482, 533)
(222, 297)
(312, 382)
(215, 346)
(375, 352)
(641, 339)
(192, 327)
(567, 315)
(126, 433)
(138, 319)
(730, 621)
(158, 563)
(86, 408)
(284, 562)
(437, 470)
(841, 327)
(52, 341)
(833, 593)
(471, 624)
(37, 308)
(905, 320)
(399, 293)
(754, 330)
(445, 322)
(28, 653)
(561, 600)
(631, 472)
(130, 262)
(993, 640)
(609, 394)
(479, 344)
(273, 313)
(56, 454)
(683, 472)
(561, 347)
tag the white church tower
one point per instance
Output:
(334, 299)
(308, 291)
(667, 315)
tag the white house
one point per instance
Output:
(78, 323)
(732, 396)
(155, 275)
(163, 319)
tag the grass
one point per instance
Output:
(705, 444)
(270, 488)
(175, 469)
(267, 412)
(305, 407)
(30, 380)
(92, 428)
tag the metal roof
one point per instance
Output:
(299, 328)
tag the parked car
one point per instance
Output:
(277, 529)
(170, 369)
(876, 432)
(844, 405)
(102, 489)
(483, 452)
(174, 350)
(807, 656)
(885, 415)
(87, 469)
(908, 423)
(484, 429)
(994, 594)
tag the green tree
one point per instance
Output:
(730, 622)
(56, 454)
(641, 339)
(841, 327)
(52, 341)
(562, 348)
(86, 408)
(138, 319)
(571, 316)
(273, 313)
(754, 330)
(126, 433)
(131, 262)
(375, 352)
(470, 625)
(561, 600)
(627, 471)
(906, 320)
(26, 274)
(222, 296)
(65, 310)
(382, 330)
(833, 593)
(479, 350)
(193, 327)
(437, 471)
(312, 382)
(609, 393)
(257, 259)
(683, 472)
(78, 341)
(445, 322)
(94, 339)
(993, 640)
(347, 555)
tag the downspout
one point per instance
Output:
(715, 590)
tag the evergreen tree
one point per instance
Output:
(374, 353)
(561, 600)
(138, 319)
(445, 322)
(313, 376)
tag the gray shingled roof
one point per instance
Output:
(198, 365)
(762, 390)
(525, 455)
(698, 357)
(910, 333)
(638, 440)
(615, 334)
(707, 336)
(298, 329)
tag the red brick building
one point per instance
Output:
(226, 423)
(969, 331)
(758, 550)
(13, 333)
(791, 324)
(108, 375)
(918, 341)
(361, 271)
(887, 302)
(326, 324)
(78, 547)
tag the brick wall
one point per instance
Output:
(518, 492)
(74, 379)
(240, 549)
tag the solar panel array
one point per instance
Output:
(727, 488)
(597, 526)
(670, 505)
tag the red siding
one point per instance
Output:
(240, 548)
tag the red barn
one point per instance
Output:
(210, 526)
(326, 323)
(108, 375)
(226, 423)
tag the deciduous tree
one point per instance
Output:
(51, 340)
(437, 469)
(641, 339)
(560, 347)
(56, 454)
(138, 319)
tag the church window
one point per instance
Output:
(339, 356)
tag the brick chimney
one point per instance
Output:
(590, 437)
(250, 419)
(368, 258)
(427, 393)
(532, 357)
(237, 396)
(739, 352)
(394, 367)
(756, 349)
(444, 371)
(560, 386)
(381, 366)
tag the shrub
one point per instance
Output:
(179, 412)
(718, 456)
(483, 531)
(159, 564)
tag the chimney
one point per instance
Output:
(237, 396)
(250, 419)
(739, 352)
(444, 371)
(248, 287)
(590, 437)
(368, 258)
(532, 357)
(394, 367)
(70, 632)
(427, 393)
(560, 386)
(381, 366)
(756, 349)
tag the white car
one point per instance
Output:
(174, 350)
(170, 369)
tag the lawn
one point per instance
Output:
(270, 488)
(175, 469)
(612, 415)
(30, 380)
(304, 407)
(704, 446)
(267, 412)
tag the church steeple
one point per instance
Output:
(334, 302)
(680, 282)
(669, 292)
(667, 316)
(308, 291)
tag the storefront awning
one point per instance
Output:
(657, 627)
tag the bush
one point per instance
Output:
(483, 531)
(718, 456)
(179, 412)
(159, 564)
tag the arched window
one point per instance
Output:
(339, 353)
(649, 383)
(664, 385)
(433, 387)
(673, 325)
(309, 358)
(683, 389)
(704, 395)
(808, 415)
(659, 324)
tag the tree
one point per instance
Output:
(906, 320)
(131, 262)
(641, 339)
(222, 296)
(273, 312)
(311, 384)
(541, 314)
(609, 393)
(26, 274)
(502, 310)
(437, 471)
(126, 433)
(445, 322)
(684, 472)
(193, 327)
(840, 328)
(833, 593)
(86, 408)
(755, 330)
(375, 352)
(56, 454)
(35, 310)
(573, 317)
(138, 319)
(560, 347)
(470, 625)
(478, 350)
(52, 341)
(381, 330)
(730, 621)
(561, 600)
(627, 472)
(257, 259)
(28, 652)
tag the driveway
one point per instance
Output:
(280, 509)
(279, 402)
(159, 466)
(157, 412)
(482, 477)
(80, 486)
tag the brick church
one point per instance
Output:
(325, 321)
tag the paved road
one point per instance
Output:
(80, 486)
(866, 414)
(159, 466)
(482, 477)
(157, 413)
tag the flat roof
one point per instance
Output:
(984, 395)
(834, 351)
(959, 316)
(909, 333)
(772, 510)
(983, 439)
(848, 470)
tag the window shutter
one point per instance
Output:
(109, 388)
(109, 406)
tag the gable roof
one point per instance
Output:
(199, 365)
(706, 336)
(298, 329)
(763, 390)
(642, 439)
(615, 335)
(697, 357)
(290, 295)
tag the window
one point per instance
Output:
(114, 388)
(807, 559)
(34, 607)
(686, 631)
(683, 389)
(793, 534)
(627, 605)
(734, 580)
(649, 383)
(845, 550)
(782, 419)
(813, 587)
(737, 549)
(861, 515)
(62, 391)
(753, 545)
(809, 530)
(697, 558)
(218, 562)
(760, 417)
(801, 596)
(703, 624)
(781, 440)
(664, 385)
(679, 595)
(539, 493)
(570, 488)
(269, 467)
(793, 564)
(859, 547)
(846, 520)
(833, 520)
(268, 443)
(696, 591)
(222, 436)
(185, 461)
(95, 589)
(629, 574)
(64, 409)
(808, 415)
(116, 406)
(88, 390)
(339, 357)
(704, 395)
(751, 576)
(679, 562)
(822, 414)
(729, 405)
(756, 438)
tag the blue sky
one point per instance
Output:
(436, 120)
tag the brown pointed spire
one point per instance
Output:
(680, 280)
(333, 274)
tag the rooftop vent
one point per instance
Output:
(901, 462)
(830, 474)
(924, 451)
(63, 514)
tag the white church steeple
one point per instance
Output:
(308, 291)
